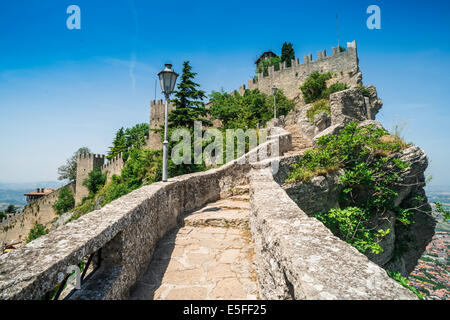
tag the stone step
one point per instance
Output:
(240, 197)
(238, 190)
(226, 204)
(221, 218)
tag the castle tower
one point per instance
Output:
(86, 163)
(156, 121)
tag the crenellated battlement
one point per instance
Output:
(343, 63)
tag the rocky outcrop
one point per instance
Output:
(351, 105)
(404, 245)
(297, 257)
(319, 195)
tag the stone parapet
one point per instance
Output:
(127, 230)
(297, 257)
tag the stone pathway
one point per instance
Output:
(299, 142)
(210, 257)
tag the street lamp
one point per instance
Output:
(274, 92)
(167, 78)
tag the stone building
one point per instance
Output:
(39, 193)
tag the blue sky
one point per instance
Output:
(62, 89)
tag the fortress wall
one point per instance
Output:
(113, 167)
(343, 64)
(128, 230)
(297, 257)
(85, 164)
(17, 227)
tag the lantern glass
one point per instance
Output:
(274, 90)
(167, 78)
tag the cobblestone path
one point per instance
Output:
(210, 257)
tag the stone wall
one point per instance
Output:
(17, 227)
(128, 230)
(297, 257)
(113, 167)
(343, 64)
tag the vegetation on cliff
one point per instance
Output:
(371, 171)
(65, 202)
(315, 91)
(37, 231)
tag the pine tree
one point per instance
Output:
(287, 53)
(188, 101)
(119, 144)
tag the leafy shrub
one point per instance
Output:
(249, 110)
(263, 65)
(345, 224)
(404, 282)
(65, 202)
(319, 106)
(37, 231)
(314, 86)
(95, 180)
(364, 91)
(335, 87)
(2, 216)
(365, 155)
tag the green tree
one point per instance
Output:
(287, 53)
(2, 215)
(69, 170)
(119, 144)
(11, 209)
(37, 231)
(188, 101)
(314, 86)
(95, 180)
(264, 64)
(134, 137)
(248, 110)
(66, 201)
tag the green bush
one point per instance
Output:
(335, 87)
(263, 65)
(65, 202)
(37, 231)
(364, 91)
(248, 110)
(319, 106)
(95, 180)
(404, 282)
(314, 86)
(370, 174)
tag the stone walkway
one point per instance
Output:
(210, 257)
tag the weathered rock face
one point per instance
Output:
(319, 195)
(351, 105)
(347, 105)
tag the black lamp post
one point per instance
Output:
(167, 78)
